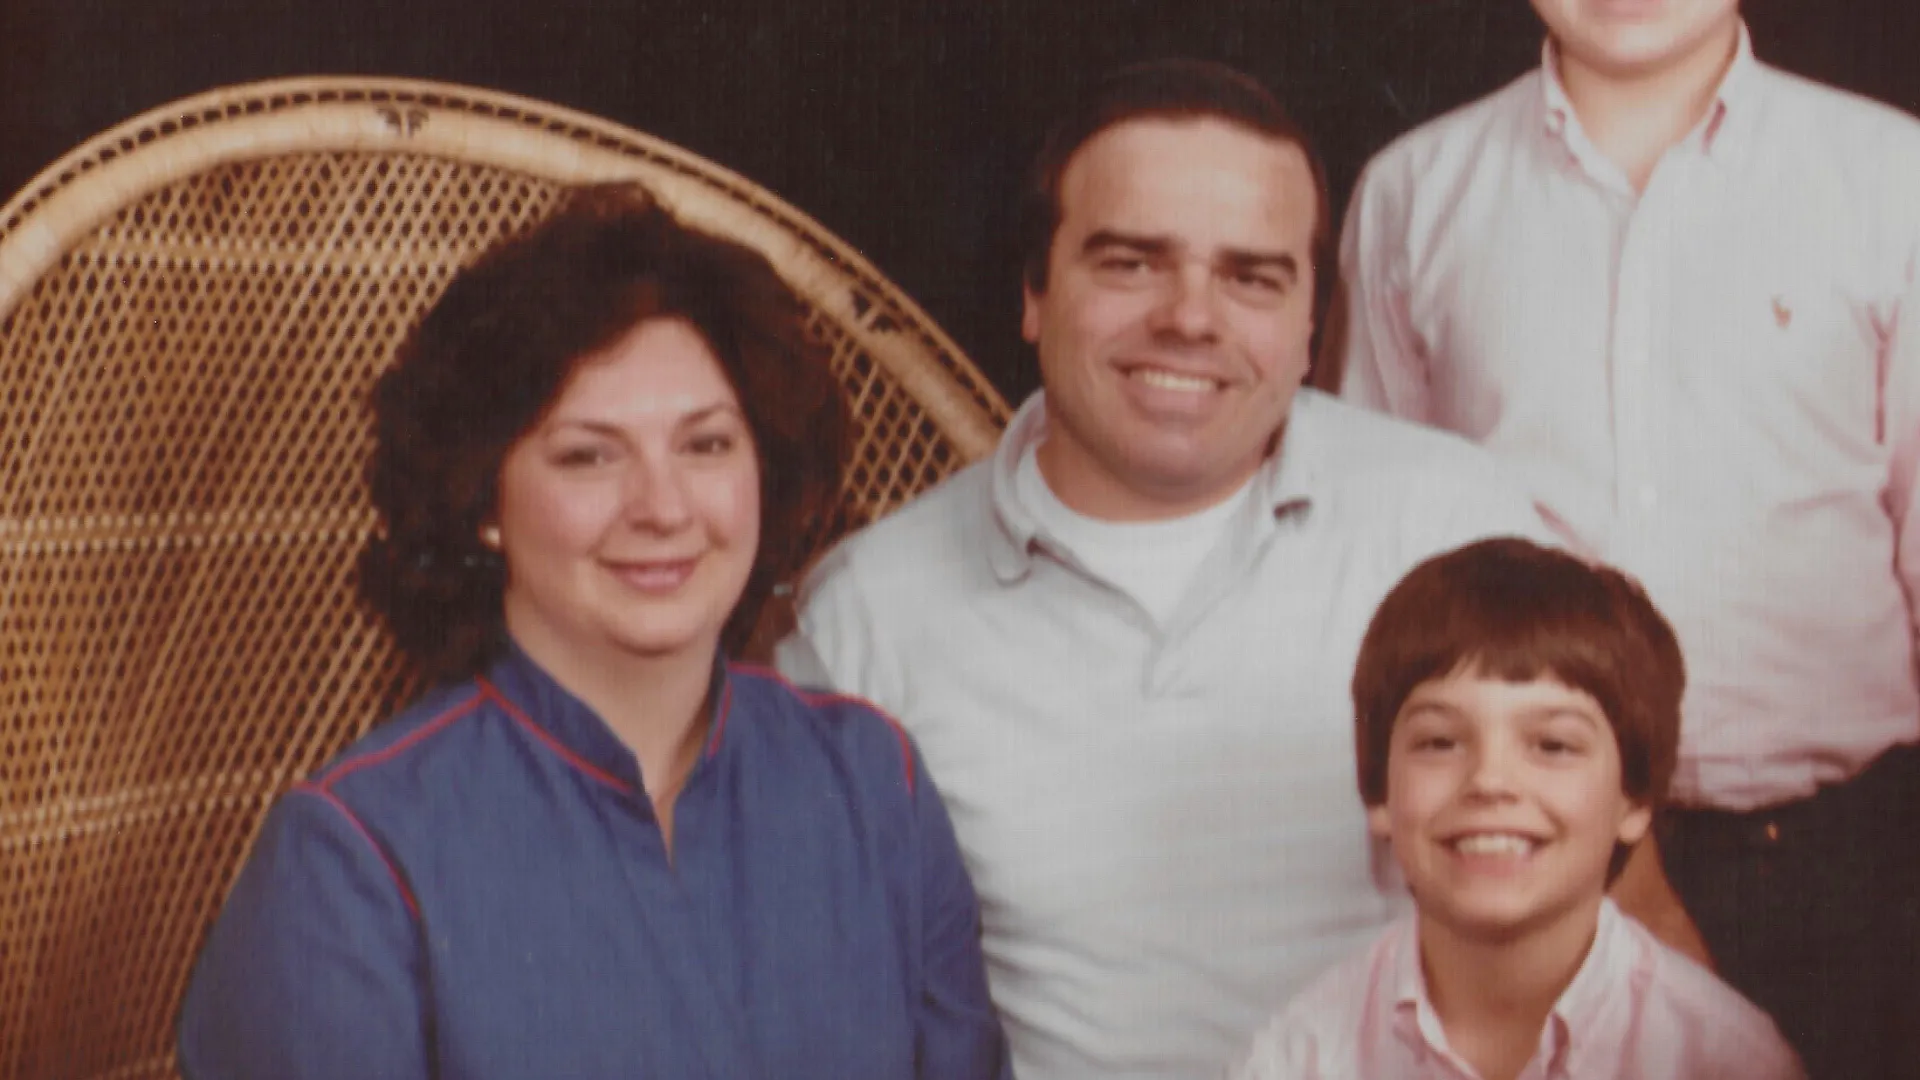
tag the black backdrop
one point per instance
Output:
(900, 124)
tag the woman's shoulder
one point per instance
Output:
(402, 738)
(850, 729)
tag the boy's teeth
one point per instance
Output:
(1493, 844)
(1167, 380)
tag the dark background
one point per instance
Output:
(900, 124)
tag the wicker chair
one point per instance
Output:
(192, 307)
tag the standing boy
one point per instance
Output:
(1675, 289)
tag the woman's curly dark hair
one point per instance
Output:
(495, 352)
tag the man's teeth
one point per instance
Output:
(1493, 844)
(1167, 380)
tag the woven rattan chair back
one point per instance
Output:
(192, 309)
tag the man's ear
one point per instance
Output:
(1029, 314)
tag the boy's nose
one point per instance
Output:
(1490, 773)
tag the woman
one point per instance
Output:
(597, 849)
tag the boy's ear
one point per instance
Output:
(1379, 822)
(1635, 824)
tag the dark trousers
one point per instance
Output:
(1812, 910)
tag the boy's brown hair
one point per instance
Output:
(1511, 609)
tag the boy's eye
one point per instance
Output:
(1556, 746)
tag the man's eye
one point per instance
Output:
(1259, 284)
(1123, 264)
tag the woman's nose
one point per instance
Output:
(655, 494)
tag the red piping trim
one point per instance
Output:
(453, 713)
(399, 883)
(720, 719)
(817, 698)
(488, 690)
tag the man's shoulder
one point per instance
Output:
(1410, 488)
(1354, 443)
(932, 535)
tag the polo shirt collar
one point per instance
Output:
(1286, 480)
(519, 684)
(1724, 133)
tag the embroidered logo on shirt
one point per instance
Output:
(1782, 314)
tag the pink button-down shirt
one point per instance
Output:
(1636, 1010)
(1714, 384)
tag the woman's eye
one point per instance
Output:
(709, 445)
(579, 457)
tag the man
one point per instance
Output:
(1123, 643)
(1675, 289)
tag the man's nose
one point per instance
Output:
(1187, 308)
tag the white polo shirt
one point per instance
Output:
(1162, 819)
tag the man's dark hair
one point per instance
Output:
(1176, 89)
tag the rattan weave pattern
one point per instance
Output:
(192, 308)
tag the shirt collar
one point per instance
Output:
(1287, 479)
(532, 696)
(1582, 1008)
(1573, 1023)
(1724, 132)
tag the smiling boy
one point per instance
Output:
(1518, 716)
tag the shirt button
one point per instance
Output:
(1649, 498)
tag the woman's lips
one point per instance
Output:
(654, 576)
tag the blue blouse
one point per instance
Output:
(479, 889)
